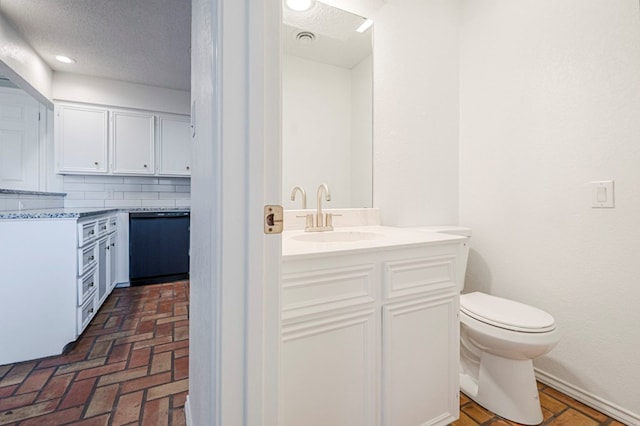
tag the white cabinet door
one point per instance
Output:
(112, 257)
(133, 140)
(103, 269)
(19, 134)
(174, 144)
(328, 370)
(81, 139)
(420, 361)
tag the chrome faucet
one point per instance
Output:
(323, 222)
(300, 189)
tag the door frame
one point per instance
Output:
(235, 291)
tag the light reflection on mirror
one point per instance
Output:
(327, 106)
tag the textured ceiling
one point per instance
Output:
(336, 40)
(141, 41)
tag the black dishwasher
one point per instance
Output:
(158, 247)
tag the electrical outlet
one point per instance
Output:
(602, 195)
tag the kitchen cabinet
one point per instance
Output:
(371, 338)
(54, 301)
(174, 145)
(133, 143)
(103, 140)
(81, 139)
(19, 140)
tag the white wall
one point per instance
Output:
(102, 91)
(549, 102)
(416, 112)
(23, 65)
(316, 130)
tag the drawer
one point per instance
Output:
(103, 226)
(410, 277)
(86, 312)
(112, 224)
(87, 258)
(87, 285)
(87, 232)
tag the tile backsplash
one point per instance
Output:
(126, 191)
(15, 201)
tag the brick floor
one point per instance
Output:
(129, 367)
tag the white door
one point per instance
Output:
(19, 133)
(234, 311)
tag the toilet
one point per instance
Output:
(499, 338)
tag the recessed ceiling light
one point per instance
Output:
(299, 5)
(65, 59)
(364, 26)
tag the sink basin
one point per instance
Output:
(337, 236)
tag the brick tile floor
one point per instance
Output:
(558, 410)
(130, 366)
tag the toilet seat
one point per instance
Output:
(506, 314)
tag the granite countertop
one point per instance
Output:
(76, 213)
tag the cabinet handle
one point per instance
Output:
(92, 258)
(95, 163)
(104, 228)
(91, 310)
(113, 244)
(188, 168)
(91, 284)
(108, 248)
(145, 166)
(92, 232)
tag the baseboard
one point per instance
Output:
(187, 412)
(606, 407)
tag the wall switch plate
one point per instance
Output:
(602, 195)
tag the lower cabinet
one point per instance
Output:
(58, 277)
(371, 338)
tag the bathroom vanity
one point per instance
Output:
(370, 329)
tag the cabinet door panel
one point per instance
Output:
(420, 362)
(175, 146)
(82, 139)
(329, 370)
(133, 140)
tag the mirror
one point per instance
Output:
(327, 112)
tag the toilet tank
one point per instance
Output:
(461, 268)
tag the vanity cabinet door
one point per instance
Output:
(420, 353)
(328, 370)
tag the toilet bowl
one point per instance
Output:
(499, 338)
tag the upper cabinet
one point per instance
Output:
(133, 141)
(81, 133)
(101, 140)
(174, 137)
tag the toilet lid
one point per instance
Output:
(506, 313)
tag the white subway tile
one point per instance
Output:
(174, 195)
(122, 203)
(3, 204)
(69, 187)
(104, 195)
(174, 181)
(54, 204)
(158, 203)
(103, 179)
(159, 188)
(183, 188)
(183, 203)
(121, 187)
(33, 204)
(140, 195)
(139, 180)
(13, 204)
(73, 179)
(72, 204)
(118, 195)
(74, 196)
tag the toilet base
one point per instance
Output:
(506, 387)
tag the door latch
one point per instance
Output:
(273, 219)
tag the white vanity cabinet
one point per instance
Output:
(371, 337)
(174, 145)
(81, 139)
(56, 281)
(133, 143)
